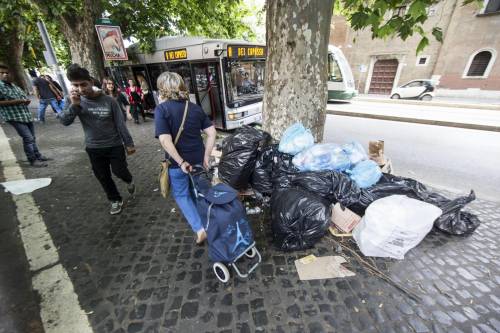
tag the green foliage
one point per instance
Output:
(149, 19)
(389, 18)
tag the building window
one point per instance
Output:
(480, 63)
(491, 6)
(422, 60)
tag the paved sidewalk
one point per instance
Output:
(141, 272)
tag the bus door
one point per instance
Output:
(208, 91)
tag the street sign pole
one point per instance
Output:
(50, 56)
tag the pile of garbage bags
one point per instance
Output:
(304, 179)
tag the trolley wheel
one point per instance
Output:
(251, 253)
(221, 271)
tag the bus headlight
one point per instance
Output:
(235, 116)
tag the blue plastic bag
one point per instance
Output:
(322, 157)
(355, 152)
(365, 173)
(295, 139)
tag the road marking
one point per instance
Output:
(59, 308)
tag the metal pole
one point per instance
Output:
(50, 55)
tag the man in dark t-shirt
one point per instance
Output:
(46, 94)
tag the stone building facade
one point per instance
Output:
(466, 63)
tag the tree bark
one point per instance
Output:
(79, 30)
(13, 42)
(297, 34)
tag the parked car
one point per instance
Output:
(416, 89)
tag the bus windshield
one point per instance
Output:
(334, 73)
(245, 80)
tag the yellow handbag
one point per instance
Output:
(163, 176)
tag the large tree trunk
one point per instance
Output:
(79, 30)
(297, 34)
(12, 44)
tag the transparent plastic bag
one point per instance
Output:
(365, 173)
(355, 152)
(295, 139)
(322, 157)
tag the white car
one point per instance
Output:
(416, 89)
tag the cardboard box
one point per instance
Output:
(344, 219)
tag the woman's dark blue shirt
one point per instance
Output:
(168, 119)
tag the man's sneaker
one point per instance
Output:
(116, 207)
(38, 164)
(44, 158)
(131, 188)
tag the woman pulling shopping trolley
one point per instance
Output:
(215, 210)
(189, 149)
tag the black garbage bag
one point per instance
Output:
(298, 218)
(330, 185)
(455, 222)
(282, 169)
(261, 180)
(239, 154)
(452, 221)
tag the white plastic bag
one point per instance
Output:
(295, 139)
(393, 225)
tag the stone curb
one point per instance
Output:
(416, 120)
(493, 107)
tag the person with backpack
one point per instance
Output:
(178, 126)
(135, 97)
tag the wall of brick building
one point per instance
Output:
(471, 32)
(464, 33)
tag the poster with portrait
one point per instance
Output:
(111, 40)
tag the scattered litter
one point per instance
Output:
(18, 187)
(172, 210)
(337, 233)
(314, 268)
(155, 190)
(344, 219)
(89, 312)
(253, 211)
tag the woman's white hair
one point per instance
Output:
(171, 86)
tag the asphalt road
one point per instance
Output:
(421, 112)
(453, 158)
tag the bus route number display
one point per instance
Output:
(176, 54)
(240, 51)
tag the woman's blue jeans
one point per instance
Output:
(180, 189)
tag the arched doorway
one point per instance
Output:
(384, 72)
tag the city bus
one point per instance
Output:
(340, 78)
(224, 77)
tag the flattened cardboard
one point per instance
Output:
(328, 267)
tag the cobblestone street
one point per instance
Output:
(140, 271)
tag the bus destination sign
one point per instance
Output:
(246, 51)
(178, 54)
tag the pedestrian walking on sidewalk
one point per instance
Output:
(105, 133)
(110, 89)
(135, 97)
(176, 114)
(47, 94)
(14, 110)
(57, 89)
